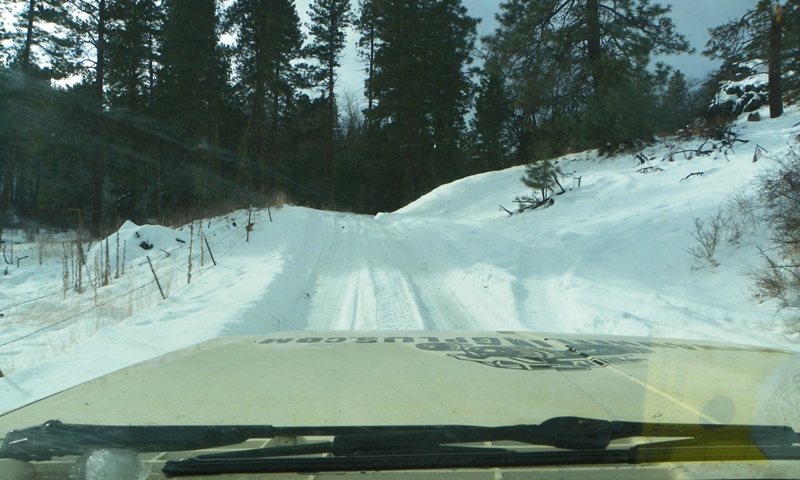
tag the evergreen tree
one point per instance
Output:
(356, 187)
(491, 124)
(542, 177)
(306, 171)
(760, 35)
(189, 100)
(676, 103)
(87, 24)
(421, 90)
(37, 38)
(329, 21)
(366, 24)
(134, 37)
(268, 41)
(791, 45)
(66, 140)
(451, 91)
(4, 35)
(580, 66)
(40, 37)
(543, 87)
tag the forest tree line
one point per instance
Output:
(152, 109)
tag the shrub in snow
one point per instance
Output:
(780, 278)
(542, 178)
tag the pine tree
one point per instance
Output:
(421, 90)
(189, 100)
(491, 123)
(451, 41)
(329, 22)
(676, 103)
(763, 33)
(366, 25)
(134, 37)
(546, 85)
(5, 35)
(574, 66)
(37, 38)
(86, 23)
(133, 34)
(268, 41)
(791, 45)
(40, 38)
(542, 178)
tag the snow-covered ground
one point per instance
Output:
(609, 257)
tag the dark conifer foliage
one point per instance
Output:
(492, 123)
(39, 51)
(268, 41)
(678, 105)
(576, 71)
(329, 21)
(421, 92)
(133, 46)
(152, 110)
(188, 105)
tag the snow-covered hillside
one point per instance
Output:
(609, 257)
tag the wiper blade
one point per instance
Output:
(436, 449)
(573, 433)
(441, 443)
(55, 439)
(585, 438)
(438, 460)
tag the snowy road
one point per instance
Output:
(352, 272)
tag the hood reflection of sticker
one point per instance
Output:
(530, 358)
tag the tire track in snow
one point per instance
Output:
(284, 303)
(376, 276)
(351, 272)
(438, 308)
(358, 286)
(447, 268)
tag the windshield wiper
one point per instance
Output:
(400, 447)
(55, 439)
(584, 441)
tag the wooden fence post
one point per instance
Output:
(156, 277)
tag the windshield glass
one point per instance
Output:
(379, 213)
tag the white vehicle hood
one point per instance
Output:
(418, 378)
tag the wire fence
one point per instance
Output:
(215, 244)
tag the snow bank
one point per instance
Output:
(139, 241)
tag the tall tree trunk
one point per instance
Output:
(368, 42)
(99, 168)
(370, 73)
(272, 156)
(263, 168)
(331, 127)
(26, 49)
(11, 174)
(775, 67)
(594, 50)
